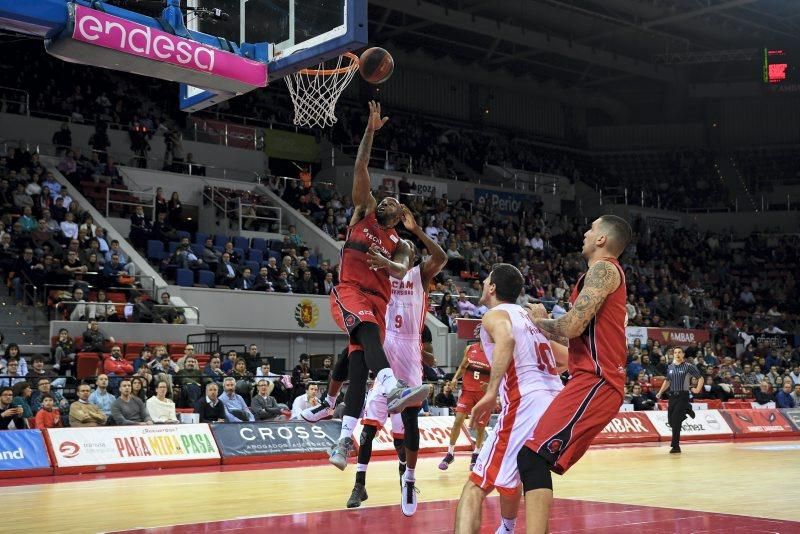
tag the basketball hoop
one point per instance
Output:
(315, 91)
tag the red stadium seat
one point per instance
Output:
(134, 347)
(88, 363)
(176, 348)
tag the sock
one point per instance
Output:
(409, 475)
(348, 426)
(402, 468)
(361, 474)
(331, 401)
(508, 524)
(387, 380)
(451, 449)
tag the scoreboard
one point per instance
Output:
(778, 66)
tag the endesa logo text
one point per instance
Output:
(104, 30)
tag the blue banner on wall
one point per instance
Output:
(275, 437)
(23, 449)
(502, 201)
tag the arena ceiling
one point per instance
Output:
(604, 45)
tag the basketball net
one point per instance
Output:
(315, 91)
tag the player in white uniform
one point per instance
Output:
(525, 374)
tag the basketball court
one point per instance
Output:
(620, 489)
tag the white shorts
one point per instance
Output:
(405, 359)
(376, 412)
(496, 466)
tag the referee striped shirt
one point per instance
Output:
(680, 376)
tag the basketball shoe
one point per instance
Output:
(318, 413)
(403, 396)
(340, 452)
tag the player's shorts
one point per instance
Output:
(580, 411)
(351, 306)
(467, 400)
(496, 466)
(376, 413)
(405, 359)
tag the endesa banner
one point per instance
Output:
(758, 423)
(628, 427)
(434, 436)
(244, 443)
(677, 336)
(101, 448)
(707, 424)
(23, 453)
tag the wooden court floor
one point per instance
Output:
(756, 479)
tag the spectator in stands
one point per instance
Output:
(75, 309)
(141, 228)
(115, 366)
(48, 416)
(25, 269)
(170, 314)
(784, 397)
(101, 397)
(164, 368)
(43, 387)
(226, 272)
(253, 358)
(127, 409)
(322, 374)
(163, 230)
(230, 360)
(38, 371)
(62, 139)
(139, 388)
(306, 285)
(634, 368)
(642, 401)
(282, 284)
(445, 398)
(210, 409)
(188, 352)
(84, 413)
(93, 339)
(301, 374)
(214, 369)
(796, 395)
(243, 378)
(245, 283)
(11, 372)
(10, 413)
(160, 407)
(235, 405)
(303, 402)
(262, 281)
(143, 309)
(22, 396)
(103, 309)
(263, 405)
(795, 375)
(144, 360)
(190, 380)
(210, 255)
(764, 394)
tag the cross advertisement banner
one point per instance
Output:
(434, 435)
(272, 438)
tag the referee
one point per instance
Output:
(679, 376)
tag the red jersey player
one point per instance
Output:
(475, 368)
(595, 328)
(371, 254)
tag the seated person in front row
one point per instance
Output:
(127, 409)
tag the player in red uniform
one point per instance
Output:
(476, 369)
(372, 252)
(595, 330)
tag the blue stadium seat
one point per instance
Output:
(239, 251)
(197, 248)
(241, 242)
(205, 278)
(220, 240)
(253, 266)
(181, 234)
(173, 246)
(259, 243)
(255, 255)
(275, 245)
(312, 261)
(200, 238)
(276, 255)
(184, 277)
(155, 250)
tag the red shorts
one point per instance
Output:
(580, 411)
(467, 401)
(350, 306)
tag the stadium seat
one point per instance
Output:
(255, 255)
(200, 238)
(134, 347)
(176, 348)
(239, 251)
(182, 233)
(241, 242)
(184, 277)
(312, 261)
(205, 278)
(220, 240)
(276, 255)
(197, 249)
(155, 250)
(254, 265)
(259, 243)
(87, 365)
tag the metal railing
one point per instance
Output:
(254, 218)
(126, 312)
(384, 158)
(146, 205)
(20, 97)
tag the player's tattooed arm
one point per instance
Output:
(362, 191)
(398, 266)
(601, 280)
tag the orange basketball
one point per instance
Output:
(376, 65)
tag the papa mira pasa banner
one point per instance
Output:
(101, 446)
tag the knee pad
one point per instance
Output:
(412, 428)
(534, 471)
(342, 368)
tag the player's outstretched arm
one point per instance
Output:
(601, 280)
(498, 325)
(438, 259)
(362, 191)
(398, 266)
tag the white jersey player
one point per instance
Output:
(524, 374)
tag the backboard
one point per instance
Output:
(299, 33)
